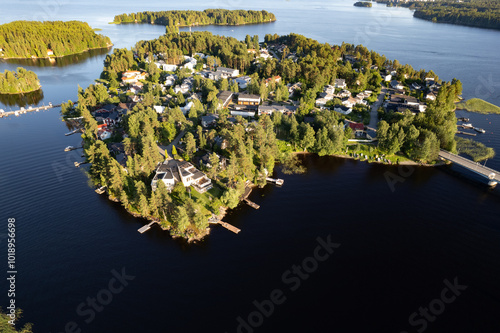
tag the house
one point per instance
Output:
(344, 94)
(387, 77)
(294, 87)
(430, 96)
(223, 73)
(165, 174)
(340, 83)
(357, 128)
(221, 142)
(133, 76)
(342, 109)
(243, 113)
(159, 109)
(270, 109)
(349, 102)
(397, 85)
(415, 86)
(190, 176)
(248, 99)
(274, 79)
(320, 102)
(243, 81)
(169, 80)
(104, 133)
(165, 67)
(225, 97)
(251, 51)
(209, 121)
(185, 109)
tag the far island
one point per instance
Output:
(184, 18)
(363, 4)
(18, 82)
(32, 39)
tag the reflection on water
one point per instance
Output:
(59, 62)
(31, 98)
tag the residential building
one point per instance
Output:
(247, 99)
(225, 97)
(340, 83)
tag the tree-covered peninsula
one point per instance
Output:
(182, 18)
(179, 127)
(32, 39)
(363, 4)
(20, 81)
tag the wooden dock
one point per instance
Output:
(251, 203)
(466, 133)
(225, 225)
(277, 181)
(74, 132)
(29, 109)
(145, 228)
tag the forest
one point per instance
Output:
(182, 18)
(31, 39)
(20, 81)
(252, 149)
(475, 13)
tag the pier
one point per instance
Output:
(145, 228)
(277, 181)
(251, 203)
(492, 175)
(226, 225)
(466, 133)
(29, 109)
(73, 132)
(244, 197)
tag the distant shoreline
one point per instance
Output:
(56, 57)
(22, 92)
(197, 25)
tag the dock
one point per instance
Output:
(251, 203)
(29, 109)
(73, 132)
(145, 228)
(227, 226)
(100, 190)
(465, 133)
(277, 181)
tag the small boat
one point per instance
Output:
(69, 148)
(463, 119)
(101, 190)
(480, 130)
(467, 125)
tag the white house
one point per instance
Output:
(342, 109)
(165, 67)
(243, 81)
(387, 78)
(187, 108)
(159, 108)
(340, 83)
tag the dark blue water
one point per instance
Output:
(397, 244)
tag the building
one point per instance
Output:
(340, 83)
(225, 97)
(397, 85)
(243, 113)
(270, 109)
(357, 128)
(430, 96)
(243, 81)
(247, 99)
(275, 79)
(209, 121)
(342, 109)
(133, 76)
(165, 67)
(223, 73)
(190, 176)
(164, 174)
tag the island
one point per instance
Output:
(18, 82)
(363, 4)
(32, 39)
(179, 129)
(184, 18)
(473, 13)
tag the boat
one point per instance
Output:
(480, 130)
(463, 119)
(69, 148)
(467, 125)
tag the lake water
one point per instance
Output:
(397, 244)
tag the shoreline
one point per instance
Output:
(195, 25)
(22, 92)
(56, 57)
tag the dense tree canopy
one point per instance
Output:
(176, 18)
(20, 81)
(26, 39)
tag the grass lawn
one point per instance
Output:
(371, 151)
(479, 106)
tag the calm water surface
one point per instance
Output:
(397, 245)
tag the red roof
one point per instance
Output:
(357, 126)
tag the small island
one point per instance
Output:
(18, 82)
(363, 4)
(184, 18)
(32, 39)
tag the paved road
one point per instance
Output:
(474, 166)
(375, 107)
(168, 148)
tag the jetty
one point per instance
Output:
(225, 225)
(73, 132)
(493, 176)
(101, 190)
(466, 133)
(277, 181)
(245, 196)
(23, 110)
(145, 228)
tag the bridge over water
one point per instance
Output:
(492, 175)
